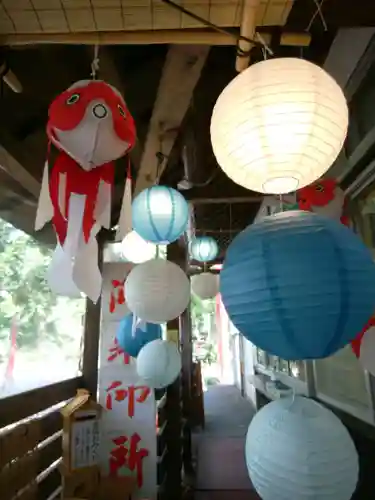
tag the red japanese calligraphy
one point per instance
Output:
(128, 454)
(120, 394)
(117, 295)
(116, 351)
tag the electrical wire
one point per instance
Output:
(213, 26)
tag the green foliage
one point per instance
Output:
(24, 292)
(199, 310)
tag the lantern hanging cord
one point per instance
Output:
(242, 53)
(318, 12)
(95, 63)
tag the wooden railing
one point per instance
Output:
(30, 442)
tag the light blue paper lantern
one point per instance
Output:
(160, 214)
(298, 450)
(132, 335)
(298, 285)
(204, 249)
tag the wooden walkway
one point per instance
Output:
(219, 449)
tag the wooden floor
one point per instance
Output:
(219, 449)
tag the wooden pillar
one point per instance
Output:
(91, 335)
(186, 384)
(173, 484)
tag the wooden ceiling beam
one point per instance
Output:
(230, 200)
(248, 27)
(19, 173)
(181, 71)
(180, 37)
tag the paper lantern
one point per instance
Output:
(298, 285)
(324, 197)
(297, 449)
(204, 249)
(91, 127)
(160, 214)
(157, 291)
(133, 334)
(205, 285)
(279, 125)
(159, 363)
(137, 250)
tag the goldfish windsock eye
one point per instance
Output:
(319, 188)
(73, 99)
(121, 111)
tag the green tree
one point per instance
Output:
(24, 292)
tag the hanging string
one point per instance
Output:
(157, 253)
(319, 13)
(95, 63)
(281, 203)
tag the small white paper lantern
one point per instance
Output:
(297, 449)
(279, 125)
(157, 291)
(205, 285)
(137, 250)
(159, 363)
(367, 351)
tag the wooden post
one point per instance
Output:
(186, 378)
(91, 335)
(173, 484)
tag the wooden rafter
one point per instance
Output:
(180, 75)
(15, 170)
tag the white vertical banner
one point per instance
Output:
(128, 430)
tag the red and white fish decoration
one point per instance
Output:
(363, 346)
(90, 125)
(324, 197)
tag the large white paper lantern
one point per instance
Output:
(159, 363)
(297, 449)
(137, 250)
(279, 125)
(157, 291)
(205, 285)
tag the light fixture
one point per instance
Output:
(279, 125)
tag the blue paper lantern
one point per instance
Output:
(132, 340)
(204, 249)
(160, 214)
(298, 285)
(297, 449)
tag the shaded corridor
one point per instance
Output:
(221, 468)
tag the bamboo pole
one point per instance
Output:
(248, 27)
(178, 37)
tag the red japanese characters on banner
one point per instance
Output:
(117, 295)
(134, 394)
(116, 351)
(128, 454)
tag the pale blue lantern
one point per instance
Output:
(298, 285)
(133, 334)
(159, 363)
(160, 214)
(298, 450)
(204, 249)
